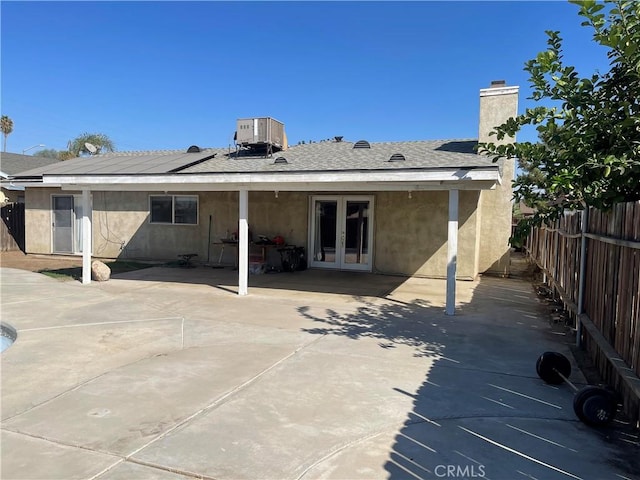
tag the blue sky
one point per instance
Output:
(166, 75)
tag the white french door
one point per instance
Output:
(341, 232)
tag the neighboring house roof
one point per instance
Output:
(525, 210)
(14, 163)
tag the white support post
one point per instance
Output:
(452, 252)
(243, 243)
(86, 236)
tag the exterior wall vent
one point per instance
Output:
(193, 149)
(280, 160)
(362, 144)
(397, 157)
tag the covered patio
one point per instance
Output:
(92, 177)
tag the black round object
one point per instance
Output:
(551, 365)
(582, 395)
(595, 406)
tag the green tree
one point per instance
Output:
(47, 152)
(77, 146)
(6, 125)
(65, 155)
(589, 148)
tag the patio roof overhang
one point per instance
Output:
(468, 178)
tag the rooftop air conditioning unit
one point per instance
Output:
(260, 132)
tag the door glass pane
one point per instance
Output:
(62, 207)
(324, 244)
(356, 232)
(77, 241)
(63, 224)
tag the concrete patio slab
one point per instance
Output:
(130, 471)
(148, 376)
(162, 391)
(69, 357)
(307, 399)
(494, 448)
(28, 457)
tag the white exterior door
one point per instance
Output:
(341, 232)
(66, 224)
(62, 223)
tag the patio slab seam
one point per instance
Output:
(39, 299)
(93, 324)
(164, 468)
(120, 458)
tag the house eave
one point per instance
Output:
(475, 178)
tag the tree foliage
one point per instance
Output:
(77, 147)
(65, 155)
(47, 152)
(6, 126)
(588, 152)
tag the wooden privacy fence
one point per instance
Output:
(592, 260)
(12, 227)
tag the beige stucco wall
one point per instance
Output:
(121, 227)
(37, 219)
(411, 233)
(496, 205)
(495, 229)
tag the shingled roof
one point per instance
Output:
(342, 156)
(124, 163)
(13, 163)
(325, 156)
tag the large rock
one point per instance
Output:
(100, 272)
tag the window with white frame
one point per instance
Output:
(174, 209)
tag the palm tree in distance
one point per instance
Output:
(78, 146)
(6, 125)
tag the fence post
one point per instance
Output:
(543, 254)
(582, 279)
